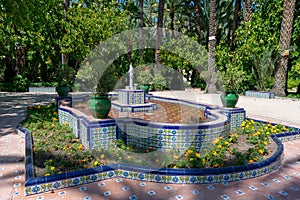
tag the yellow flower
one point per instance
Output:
(226, 143)
(54, 119)
(52, 168)
(247, 127)
(243, 124)
(175, 157)
(47, 174)
(284, 128)
(219, 146)
(55, 113)
(214, 152)
(175, 167)
(203, 161)
(66, 123)
(191, 159)
(252, 122)
(50, 160)
(80, 147)
(268, 133)
(190, 151)
(197, 155)
(96, 163)
(216, 141)
(251, 161)
(265, 143)
(260, 151)
(216, 165)
(102, 156)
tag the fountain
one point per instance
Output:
(131, 99)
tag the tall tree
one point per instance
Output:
(247, 10)
(197, 19)
(141, 4)
(161, 8)
(236, 21)
(211, 82)
(280, 82)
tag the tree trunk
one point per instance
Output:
(197, 19)
(247, 10)
(211, 82)
(172, 17)
(9, 72)
(141, 2)
(20, 59)
(161, 8)
(236, 21)
(280, 81)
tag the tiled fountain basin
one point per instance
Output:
(37, 185)
(162, 136)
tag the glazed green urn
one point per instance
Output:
(99, 106)
(229, 99)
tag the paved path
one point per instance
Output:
(281, 184)
(280, 110)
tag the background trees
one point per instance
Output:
(34, 34)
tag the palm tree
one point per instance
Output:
(236, 21)
(197, 20)
(149, 12)
(247, 10)
(161, 8)
(279, 87)
(211, 82)
(141, 4)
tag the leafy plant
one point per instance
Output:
(263, 69)
(107, 81)
(232, 78)
(159, 82)
(144, 76)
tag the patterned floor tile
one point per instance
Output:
(284, 193)
(151, 192)
(210, 187)
(107, 193)
(225, 197)
(133, 197)
(239, 192)
(143, 184)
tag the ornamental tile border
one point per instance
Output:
(183, 176)
(173, 176)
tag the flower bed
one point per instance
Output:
(59, 155)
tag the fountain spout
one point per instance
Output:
(131, 77)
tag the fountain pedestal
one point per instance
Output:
(127, 96)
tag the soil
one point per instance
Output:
(242, 146)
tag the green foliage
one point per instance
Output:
(253, 40)
(159, 82)
(232, 78)
(107, 81)
(144, 75)
(263, 69)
